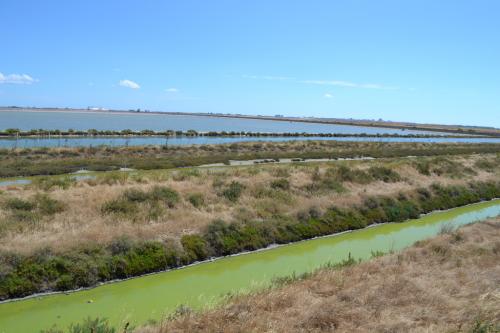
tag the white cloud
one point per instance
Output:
(172, 90)
(337, 83)
(17, 79)
(129, 84)
(328, 95)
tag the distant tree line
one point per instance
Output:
(15, 132)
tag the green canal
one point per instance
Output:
(151, 297)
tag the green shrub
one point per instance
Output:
(165, 194)
(384, 174)
(19, 204)
(119, 206)
(48, 183)
(233, 191)
(195, 247)
(128, 202)
(324, 185)
(346, 174)
(196, 199)
(48, 206)
(486, 165)
(32, 210)
(113, 178)
(135, 195)
(281, 184)
(423, 167)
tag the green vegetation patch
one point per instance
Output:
(129, 201)
(30, 210)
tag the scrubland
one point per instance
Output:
(52, 161)
(58, 234)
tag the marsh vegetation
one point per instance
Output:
(53, 161)
(60, 235)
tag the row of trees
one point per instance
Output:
(192, 133)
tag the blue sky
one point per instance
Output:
(423, 61)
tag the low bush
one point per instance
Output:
(196, 199)
(165, 194)
(19, 204)
(486, 165)
(135, 195)
(442, 166)
(195, 247)
(233, 191)
(32, 210)
(128, 202)
(346, 174)
(119, 206)
(384, 174)
(48, 206)
(48, 183)
(281, 184)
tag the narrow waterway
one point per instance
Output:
(150, 297)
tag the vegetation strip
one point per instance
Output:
(38, 133)
(23, 275)
(53, 161)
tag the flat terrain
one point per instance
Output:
(353, 122)
(446, 284)
(109, 206)
(61, 234)
(51, 161)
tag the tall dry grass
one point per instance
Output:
(83, 222)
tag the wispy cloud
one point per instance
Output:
(17, 79)
(349, 84)
(338, 83)
(129, 84)
(172, 90)
(328, 95)
(268, 77)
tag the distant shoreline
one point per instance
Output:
(358, 123)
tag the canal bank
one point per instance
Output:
(150, 297)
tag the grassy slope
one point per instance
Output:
(446, 284)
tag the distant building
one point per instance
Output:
(96, 109)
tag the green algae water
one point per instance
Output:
(153, 296)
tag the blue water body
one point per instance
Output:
(156, 140)
(30, 119)
(15, 182)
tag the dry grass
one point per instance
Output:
(82, 221)
(446, 284)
